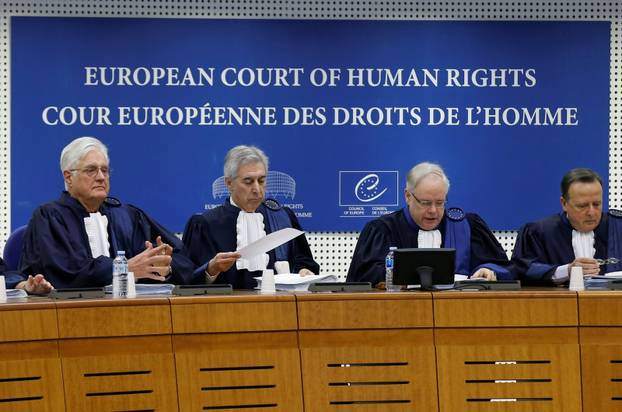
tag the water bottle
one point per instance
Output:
(388, 266)
(119, 275)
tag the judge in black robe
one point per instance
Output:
(215, 231)
(479, 250)
(542, 246)
(478, 253)
(212, 238)
(57, 244)
(544, 250)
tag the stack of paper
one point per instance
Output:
(149, 289)
(16, 293)
(293, 282)
(602, 282)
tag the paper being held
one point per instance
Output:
(269, 242)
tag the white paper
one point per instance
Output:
(149, 289)
(293, 282)
(16, 293)
(2, 290)
(613, 275)
(269, 242)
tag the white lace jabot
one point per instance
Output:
(583, 244)
(96, 226)
(429, 239)
(250, 227)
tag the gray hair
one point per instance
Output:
(241, 155)
(417, 173)
(77, 149)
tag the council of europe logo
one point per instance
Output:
(373, 188)
(278, 184)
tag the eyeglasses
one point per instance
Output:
(91, 171)
(608, 261)
(429, 204)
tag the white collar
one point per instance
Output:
(429, 239)
(96, 226)
(249, 228)
(583, 244)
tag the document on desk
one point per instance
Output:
(16, 293)
(606, 277)
(269, 242)
(293, 282)
(149, 289)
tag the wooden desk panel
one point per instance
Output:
(602, 377)
(600, 308)
(364, 310)
(134, 373)
(28, 320)
(507, 309)
(601, 350)
(373, 370)
(238, 371)
(114, 317)
(535, 369)
(30, 377)
(510, 365)
(234, 313)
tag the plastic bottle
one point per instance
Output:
(388, 266)
(119, 275)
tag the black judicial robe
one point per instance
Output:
(478, 249)
(56, 243)
(215, 231)
(544, 245)
(11, 277)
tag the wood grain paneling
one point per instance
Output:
(364, 311)
(374, 370)
(28, 321)
(238, 371)
(508, 309)
(114, 318)
(205, 315)
(600, 308)
(513, 377)
(135, 373)
(30, 377)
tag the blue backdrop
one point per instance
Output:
(335, 172)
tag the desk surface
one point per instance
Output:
(438, 351)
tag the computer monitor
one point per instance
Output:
(425, 267)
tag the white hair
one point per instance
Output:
(241, 155)
(417, 173)
(77, 149)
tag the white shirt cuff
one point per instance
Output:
(561, 274)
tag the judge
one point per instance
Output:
(213, 237)
(74, 239)
(547, 249)
(424, 223)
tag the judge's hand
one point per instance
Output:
(36, 285)
(168, 249)
(590, 266)
(222, 262)
(152, 263)
(485, 274)
(305, 272)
